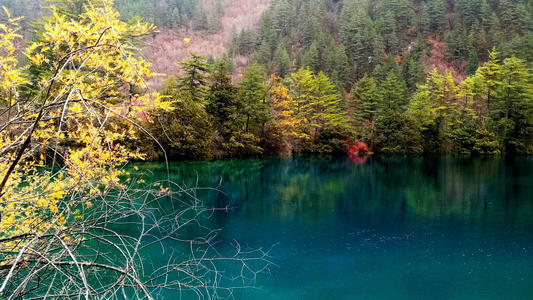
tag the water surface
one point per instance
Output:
(384, 228)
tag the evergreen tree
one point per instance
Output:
(199, 18)
(358, 36)
(457, 43)
(184, 132)
(194, 81)
(281, 62)
(491, 72)
(412, 71)
(393, 93)
(513, 109)
(365, 103)
(222, 102)
(473, 63)
(252, 96)
(397, 133)
(319, 103)
(433, 107)
(311, 58)
(436, 13)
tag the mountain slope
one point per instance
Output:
(168, 47)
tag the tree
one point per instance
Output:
(175, 21)
(365, 103)
(393, 93)
(252, 92)
(412, 71)
(491, 71)
(397, 133)
(433, 108)
(457, 43)
(194, 81)
(185, 132)
(228, 114)
(222, 102)
(473, 63)
(357, 33)
(281, 63)
(286, 125)
(512, 110)
(60, 225)
(436, 12)
(321, 105)
(199, 17)
(311, 58)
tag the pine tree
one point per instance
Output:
(199, 17)
(514, 106)
(436, 13)
(397, 133)
(358, 36)
(194, 82)
(365, 102)
(185, 132)
(311, 58)
(412, 71)
(457, 43)
(282, 17)
(222, 102)
(281, 62)
(433, 107)
(318, 102)
(393, 93)
(473, 63)
(252, 97)
(491, 72)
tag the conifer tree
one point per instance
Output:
(281, 61)
(222, 102)
(393, 93)
(365, 103)
(194, 81)
(512, 110)
(473, 63)
(491, 72)
(252, 97)
(318, 102)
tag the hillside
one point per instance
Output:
(262, 77)
(169, 47)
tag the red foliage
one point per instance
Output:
(398, 59)
(357, 149)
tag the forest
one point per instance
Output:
(403, 77)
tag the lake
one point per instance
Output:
(375, 228)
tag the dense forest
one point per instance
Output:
(434, 76)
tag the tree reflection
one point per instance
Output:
(382, 189)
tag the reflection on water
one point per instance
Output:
(424, 228)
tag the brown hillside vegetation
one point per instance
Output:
(168, 47)
(439, 62)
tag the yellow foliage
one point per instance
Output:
(283, 109)
(84, 103)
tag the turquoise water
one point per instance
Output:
(382, 228)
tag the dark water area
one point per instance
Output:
(381, 228)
